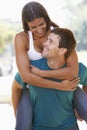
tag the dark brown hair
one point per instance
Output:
(33, 10)
(67, 39)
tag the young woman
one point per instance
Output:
(28, 46)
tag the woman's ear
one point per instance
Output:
(63, 51)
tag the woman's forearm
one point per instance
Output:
(69, 71)
(65, 85)
(63, 73)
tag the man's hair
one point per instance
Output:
(33, 10)
(67, 39)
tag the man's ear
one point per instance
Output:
(63, 51)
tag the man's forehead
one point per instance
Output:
(54, 36)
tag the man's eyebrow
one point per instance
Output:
(58, 37)
(50, 38)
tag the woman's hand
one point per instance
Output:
(35, 70)
(70, 84)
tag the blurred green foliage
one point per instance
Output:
(8, 30)
(77, 21)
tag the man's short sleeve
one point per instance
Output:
(83, 74)
(19, 80)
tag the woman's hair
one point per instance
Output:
(33, 10)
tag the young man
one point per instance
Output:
(54, 108)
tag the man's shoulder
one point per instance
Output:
(82, 68)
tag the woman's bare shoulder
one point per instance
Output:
(22, 39)
(22, 35)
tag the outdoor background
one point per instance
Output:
(66, 13)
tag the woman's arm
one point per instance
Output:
(70, 71)
(23, 64)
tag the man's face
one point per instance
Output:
(51, 46)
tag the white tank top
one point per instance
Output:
(32, 53)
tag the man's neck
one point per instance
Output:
(56, 63)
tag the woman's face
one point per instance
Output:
(38, 27)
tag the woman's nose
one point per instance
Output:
(45, 43)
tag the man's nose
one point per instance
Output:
(45, 43)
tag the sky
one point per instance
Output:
(11, 9)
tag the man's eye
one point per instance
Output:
(50, 40)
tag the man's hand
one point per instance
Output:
(77, 115)
(85, 89)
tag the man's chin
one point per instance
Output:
(44, 55)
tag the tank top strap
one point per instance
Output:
(32, 53)
(31, 39)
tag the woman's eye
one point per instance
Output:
(33, 27)
(41, 24)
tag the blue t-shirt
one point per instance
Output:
(52, 109)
